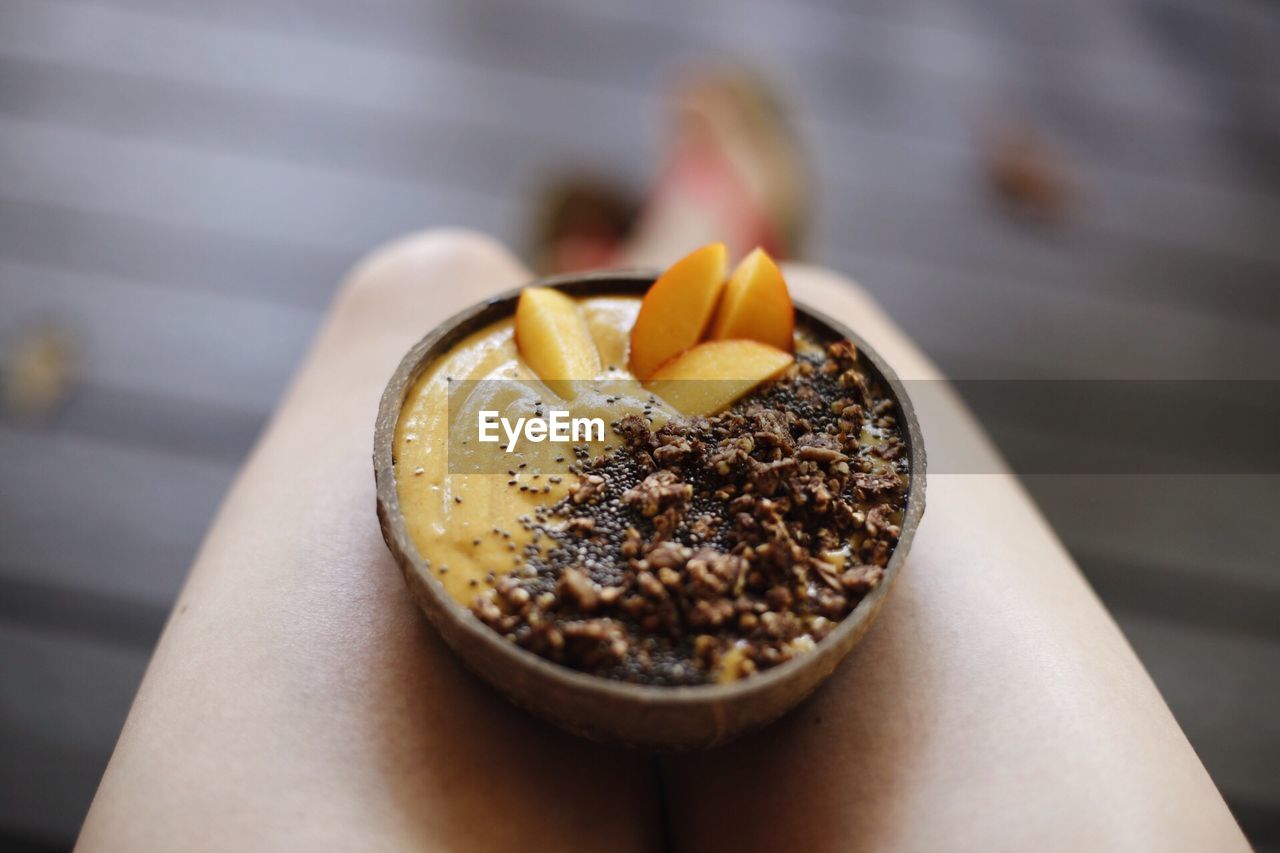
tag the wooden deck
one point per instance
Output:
(184, 183)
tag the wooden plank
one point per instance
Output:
(1120, 427)
(842, 67)
(1202, 598)
(162, 253)
(63, 700)
(1206, 238)
(462, 87)
(1116, 209)
(953, 36)
(460, 151)
(312, 206)
(435, 152)
(966, 239)
(1103, 96)
(165, 341)
(183, 426)
(342, 76)
(985, 327)
(1221, 49)
(156, 370)
(136, 515)
(1200, 527)
(965, 235)
(48, 788)
(41, 698)
(1223, 690)
(70, 612)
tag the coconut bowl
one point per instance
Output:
(650, 716)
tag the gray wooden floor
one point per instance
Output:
(183, 183)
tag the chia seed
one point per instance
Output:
(736, 541)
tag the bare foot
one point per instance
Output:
(733, 171)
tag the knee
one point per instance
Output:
(443, 265)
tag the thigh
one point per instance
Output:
(994, 704)
(297, 698)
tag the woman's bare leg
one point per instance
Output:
(298, 699)
(994, 705)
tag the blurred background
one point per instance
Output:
(1032, 188)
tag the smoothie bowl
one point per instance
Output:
(656, 510)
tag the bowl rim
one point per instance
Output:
(625, 282)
